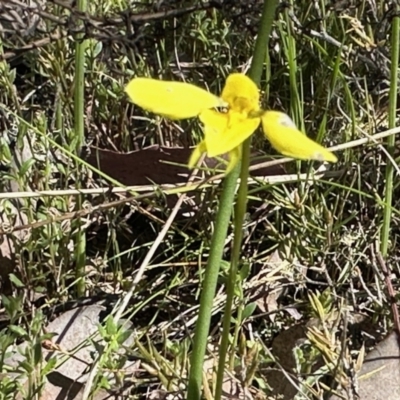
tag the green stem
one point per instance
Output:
(257, 65)
(387, 213)
(210, 284)
(79, 88)
(79, 131)
(262, 42)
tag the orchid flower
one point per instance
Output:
(225, 129)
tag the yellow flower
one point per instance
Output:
(225, 131)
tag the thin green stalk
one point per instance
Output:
(210, 284)
(79, 131)
(289, 44)
(257, 65)
(387, 213)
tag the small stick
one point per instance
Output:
(391, 291)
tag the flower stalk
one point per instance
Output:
(255, 72)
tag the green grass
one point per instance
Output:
(329, 70)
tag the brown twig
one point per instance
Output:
(30, 46)
(93, 23)
(391, 291)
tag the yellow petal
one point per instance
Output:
(288, 140)
(241, 93)
(196, 154)
(175, 100)
(215, 122)
(225, 131)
